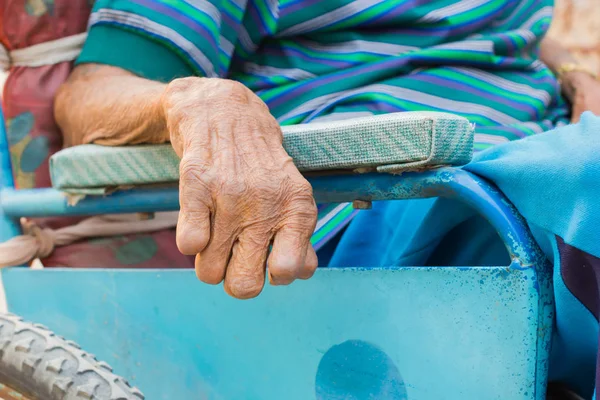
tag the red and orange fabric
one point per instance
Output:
(33, 135)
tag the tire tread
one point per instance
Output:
(38, 362)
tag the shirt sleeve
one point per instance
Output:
(163, 40)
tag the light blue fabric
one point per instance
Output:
(554, 181)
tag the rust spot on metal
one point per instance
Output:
(362, 205)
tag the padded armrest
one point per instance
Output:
(387, 143)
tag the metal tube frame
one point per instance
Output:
(453, 183)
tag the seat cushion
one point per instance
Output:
(392, 143)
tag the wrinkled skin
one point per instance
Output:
(240, 192)
(239, 189)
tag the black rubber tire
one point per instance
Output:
(43, 366)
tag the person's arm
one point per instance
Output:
(239, 189)
(579, 85)
(110, 106)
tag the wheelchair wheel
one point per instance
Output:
(36, 364)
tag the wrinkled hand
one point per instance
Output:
(584, 91)
(239, 190)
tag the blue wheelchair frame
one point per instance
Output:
(348, 333)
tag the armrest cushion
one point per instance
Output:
(387, 143)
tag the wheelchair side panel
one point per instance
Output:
(402, 333)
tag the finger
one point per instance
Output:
(193, 224)
(211, 263)
(311, 262)
(245, 276)
(193, 231)
(288, 256)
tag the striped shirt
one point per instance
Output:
(314, 60)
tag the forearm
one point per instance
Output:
(107, 105)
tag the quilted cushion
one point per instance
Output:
(388, 143)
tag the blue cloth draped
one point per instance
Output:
(554, 181)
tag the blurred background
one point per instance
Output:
(576, 24)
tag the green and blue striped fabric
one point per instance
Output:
(318, 60)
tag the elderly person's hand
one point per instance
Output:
(240, 193)
(239, 189)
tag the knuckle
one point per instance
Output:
(311, 213)
(191, 170)
(197, 184)
(180, 84)
(177, 92)
(271, 122)
(284, 200)
(303, 188)
(300, 192)
(301, 214)
(177, 85)
(234, 91)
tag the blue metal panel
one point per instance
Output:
(51, 202)
(9, 227)
(400, 333)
